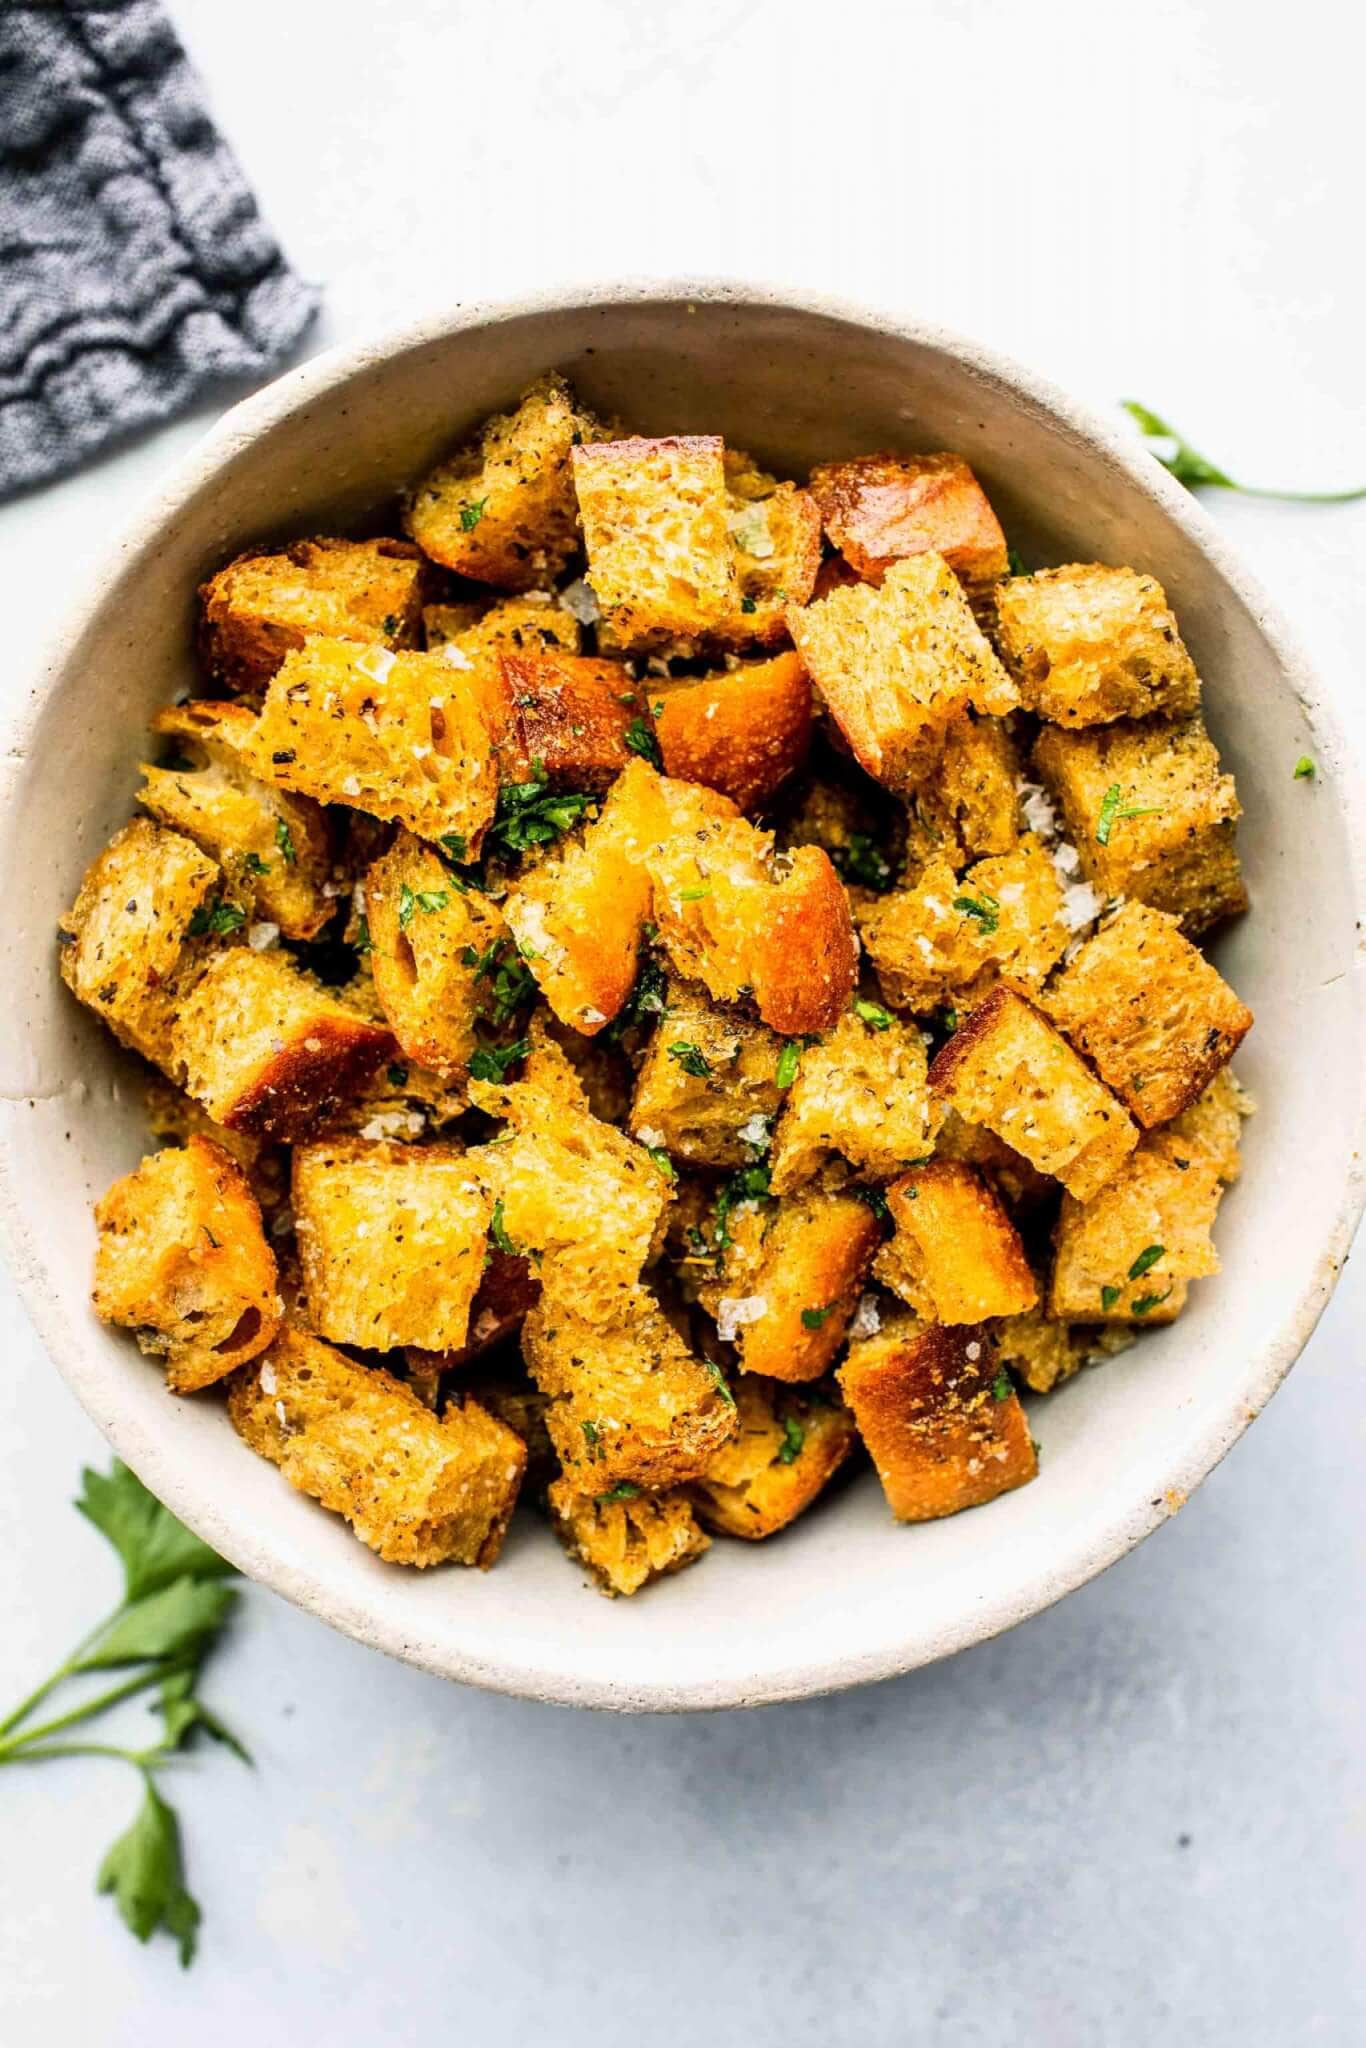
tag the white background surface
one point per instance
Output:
(1140, 1815)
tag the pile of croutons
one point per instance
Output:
(657, 979)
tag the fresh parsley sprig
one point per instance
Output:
(1193, 470)
(532, 814)
(174, 1608)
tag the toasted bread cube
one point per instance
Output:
(392, 1240)
(897, 663)
(1006, 1067)
(1154, 1018)
(576, 1195)
(417, 1489)
(878, 509)
(655, 526)
(1087, 644)
(1045, 1354)
(1129, 1253)
(862, 1094)
(790, 1280)
(629, 1403)
(775, 536)
(1151, 814)
(435, 950)
(522, 1407)
(402, 736)
(182, 1261)
(578, 916)
(123, 940)
(1212, 1127)
(943, 1425)
(262, 607)
(624, 1537)
(956, 1257)
(273, 847)
(501, 509)
(401, 1100)
(743, 731)
(969, 808)
(573, 716)
(707, 1089)
(1020, 1184)
(790, 1445)
(949, 939)
(533, 624)
(266, 1050)
(507, 1289)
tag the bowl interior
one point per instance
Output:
(845, 1594)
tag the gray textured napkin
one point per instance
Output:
(134, 266)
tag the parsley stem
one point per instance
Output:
(141, 1759)
(64, 1670)
(86, 1712)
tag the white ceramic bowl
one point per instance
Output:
(846, 1595)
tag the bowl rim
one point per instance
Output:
(363, 1618)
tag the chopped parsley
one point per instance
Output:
(1001, 1389)
(812, 1318)
(397, 1075)
(1015, 562)
(789, 1060)
(722, 1383)
(863, 861)
(592, 1436)
(254, 865)
(1109, 1296)
(216, 919)
(530, 814)
(471, 514)
(873, 1015)
(750, 1184)
(690, 1057)
(694, 895)
(625, 1489)
(794, 1436)
(1112, 810)
(498, 1233)
(1146, 1303)
(662, 1161)
(410, 901)
(1146, 1260)
(984, 907)
(284, 839)
(512, 981)
(491, 1062)
(641, 740)
(647, 999)
(364, 943)
(1305, 769)
(747, 604)
(456, 845)
(874, 1199)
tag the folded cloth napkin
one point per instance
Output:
(134, 266)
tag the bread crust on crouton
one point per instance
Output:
(391, 1239)
(707, 1086)
(274, 848)
(261, 607)
(743, 731)
(623, 1537)
(507, 1289)
(1151, 814)
(878, 509)
(656, 530)
(572, 715)
(1154, 1018)
(416, 1489)
(862, 1093)
(182, 1261)
(945, 1428)
(267, 1050)
(124, 940)
(948, 939)
(956, 1257)
(501, 509)
(897, 663)
(1008, 1068)
(789, 1445)
(1129, 1253)
(531, 624)
(435, 952)
(790, 1280)
(403, 736)
(1087, 644)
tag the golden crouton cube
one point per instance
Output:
(522, 1406)
(1151, 813)
(273, 848)
(948, 939)
(182, 1262)
(1127, 1254)
(969, 807)
(1212, 1127)
(956, 1257)
(392, 1240)
(579, 914)
(267, 1050)
(790, 1444)
(124, 938)
(1006, 1067)
(655, 526)
(878, 509)
(862, 1094)
(437, 951)
(1087, 644)
(775, 537)
(533, 624)
(1044, 1354)
(624, 1537)
(940, 1418)
(501, 509)
(629, 1403)
(790, 1280)
(707, 1089)
(262, 607)
(576, 1195)
(1019, 1183)
(1154, 1018)
(416, 1488)
(897, 662)
(402, 736)
(743, 731)
(575, 717)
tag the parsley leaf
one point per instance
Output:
(146, 1873)
(694, 895)
(410, 901)
(491, 1062)
(750, 1184)
(471, 514)
(1305, 769)
(649, 998)
(254, 865)
(364, 943)
(812, 1318)
(456, 845)
(794, 1436)
(789, 1060)
(747, 604)
(498, 1232)
(154, 1547)
(862, 861)
(532, 814)
(182, 1713)
(284, 839)
(984, 907)
(625, 1489)
(662, 1161)
(216, 919)
(176, 1621)
(1109, 1296)
(1193, 470)
(641, 740)
(1015, 562)
(1146, 1303)
(1112, 810)
(1001, 1389)
(690, 1057)
(1146, 1260)
(396, 1075)
(873, 1015)
(874, 1199)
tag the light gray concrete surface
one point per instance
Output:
(1142, 1813)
